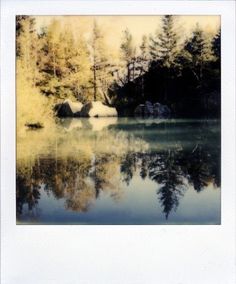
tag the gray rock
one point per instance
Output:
(68, 109)
(97, 109)
(161, 111)
(156, 110)
(148, 108)
(139, 110)
(64, 110)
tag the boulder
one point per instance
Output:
(161, 111)
(144, 109)
(148, 108)
(97, 109)
(139, 110)
(156, 110)
(69, 109)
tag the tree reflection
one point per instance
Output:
(128, 167)
(198, 168)
(173, 170)
(104, 172)
(167, 171)
(63, 178)
(26, 193)
(144, 167)
(81, 179)
(78, 181)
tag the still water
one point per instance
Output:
(119, 171)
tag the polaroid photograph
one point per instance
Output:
(118, 119)
(118, 142)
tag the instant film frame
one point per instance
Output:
(126, 169)
(117, 254)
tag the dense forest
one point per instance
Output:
(53, 65)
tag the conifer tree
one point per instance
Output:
(144, 57)
(48, 59)
(144, 47)
(54, 44)
(75, 64)
(28, 95)
(216, 45)
(63, 62)
(100, 63)
(26, 47)
(128, 53)
(164, 45)
(198, 52)
(19, 30)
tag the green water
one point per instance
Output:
(119, 171)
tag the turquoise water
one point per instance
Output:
(120, 171)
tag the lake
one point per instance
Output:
(119, 171)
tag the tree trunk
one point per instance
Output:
(94, 84)
(128, 71)
(54, 64)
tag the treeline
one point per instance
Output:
(185, 75)
(60, 65)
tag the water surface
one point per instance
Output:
(119, 171)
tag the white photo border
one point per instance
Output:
(117, 254)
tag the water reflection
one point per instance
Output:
(84, 166)
(175, 170)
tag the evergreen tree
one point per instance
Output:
(128, 54)
(63, 62)
(164, 45)
(164, 168)
(48, 59)
(144, 57)
(19, 30)
(28, 95)
(198, 52)
(26, 47)
(100, 63)
(144, 48)
(54, 45)
(216, 46)
(76, 71)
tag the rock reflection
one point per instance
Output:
(92, 123)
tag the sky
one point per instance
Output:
(113, 26)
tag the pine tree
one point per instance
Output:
(19, 30)
(28, 95)
(164, 45)
(198, 52)
(100, 63)
(63, 62)
(26, 47)
(128, 53)
(48, 59)
(54, 44)
(75, 63)
(144, 57)
(216, 46)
